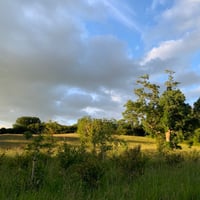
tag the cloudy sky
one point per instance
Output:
(61, 60)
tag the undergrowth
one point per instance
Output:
(74, 173)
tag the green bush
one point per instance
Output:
(91, 172)
(173, 159)
(2, 158)
(132, 162)
(192, 156)
(197, 136)
(28, 135)
(70, 155)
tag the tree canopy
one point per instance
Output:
(28, 123)
(159, 112)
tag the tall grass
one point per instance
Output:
(170, 176)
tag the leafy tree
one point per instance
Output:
(175, 112)
(51, 127)
(97, 133)
(126, 128)
(157, 113)
(196, 112)
(27, 123)
(144, 111)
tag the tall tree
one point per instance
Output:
(157, 113)
(174, 109)
(144, 111)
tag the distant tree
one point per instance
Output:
(52, 127)
(27, 123)
(3, 130)
(69, 128)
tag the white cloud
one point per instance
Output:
(165, 51)
(52, 67)
(181, 18)
(48, 69)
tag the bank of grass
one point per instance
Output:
(171, 176)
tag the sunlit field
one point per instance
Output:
(18, 142)
(145, 174)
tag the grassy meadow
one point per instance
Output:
(143, 173)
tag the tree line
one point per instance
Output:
(164, 115)
(33, 125)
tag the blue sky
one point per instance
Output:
(61, 60)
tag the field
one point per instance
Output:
(154, 175)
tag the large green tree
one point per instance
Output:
(159, 113)
(175, 112)
(144, 111)
(28, 123)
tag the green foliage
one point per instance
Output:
(173, 159)
(196, 110)
(70, 155)
(51, 128)
(78, 162)
(159, 113)
(2, 155)
(91, 172)
(144, 111)
(174, 177)
(28, 135)
(27, 123)
(197, 136)
(133, 162)
(96, 133)
(126, 128)
(175, 111)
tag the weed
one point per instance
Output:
(91, 171)
(2, 156)
(132, 162)
(69, 155)
(173, 159)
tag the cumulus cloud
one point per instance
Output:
(172, 43)
(52, 69)
(187, 45)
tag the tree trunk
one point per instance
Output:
(168, 135)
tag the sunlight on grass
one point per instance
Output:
(14, 143)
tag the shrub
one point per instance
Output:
(2, 158)
(70, 155)
(91, 171)
(173, 159)
(28, 135)
(133, 162)
(193, 156)
(197, 136)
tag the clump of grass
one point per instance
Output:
(132, 162)
(173, 158)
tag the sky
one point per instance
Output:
(62, 60)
